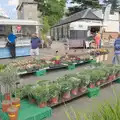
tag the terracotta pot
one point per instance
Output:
(67, 95)
(7, 96)
(16, 102)
(57, 62)
(92, 85)
(54, 100)
(42, 105)
(74, 91)
(98, 83)
(102, 81)
(5, 105)
(82, 89)
(111, 77)
(13, 113)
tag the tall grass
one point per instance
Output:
(106, 111)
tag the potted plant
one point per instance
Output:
(8, 78)
(84, 82)
(66, 87)
(5, 105)
(112, 75)
(75, 83)
(41, 95)
(13, 113)
(54, 92)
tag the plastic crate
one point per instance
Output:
(40, 73)
(33, 112)
(118, 80)
(71, 67)
(92, 61)
(93, 92)
(4, 116)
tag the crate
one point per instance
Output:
(92, 61)
(40, 73)
(71, 67)
(93, 92)
(3, 116)
(118, 80)
(33, 112)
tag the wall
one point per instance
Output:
(20, 1)
(30, 12)
(112, 25)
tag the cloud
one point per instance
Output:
(13, 2)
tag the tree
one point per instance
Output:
(83, 4)
(115, 4)
(51, 10)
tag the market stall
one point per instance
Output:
(23, 30)
(81, 31)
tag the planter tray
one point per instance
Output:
(33, 112)
(118, 80)
(68, 100)
(26, 72)
(3, 116)
(57, 67)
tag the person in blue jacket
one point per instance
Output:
(11, 40)
(116, 59)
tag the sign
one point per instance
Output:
(78, 27)
(18, 28)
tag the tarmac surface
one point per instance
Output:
(83, 104)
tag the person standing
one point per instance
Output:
(11, 42)
(98, 40)
(117, 50)
(35, 43)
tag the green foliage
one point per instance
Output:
(40, 93)
(82, 5)
(52, 11)
(54, 90)
(115, 4)
(106, 111)
(9, 77)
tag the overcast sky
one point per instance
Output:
(9, 7)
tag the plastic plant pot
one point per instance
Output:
(54, 100)
(57, 62)
(16, 102)
(7, 96)
(13, 113)
(102, 81)
(92, 85)
(98, 83)
(67, 95)
(74, 91)
(82, 89)
(42, 104)
(5, 105)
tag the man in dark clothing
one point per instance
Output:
(35, 43)
(11, 42)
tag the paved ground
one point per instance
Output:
(86, 105)
(81, 104)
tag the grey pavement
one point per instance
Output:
(83, 104)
